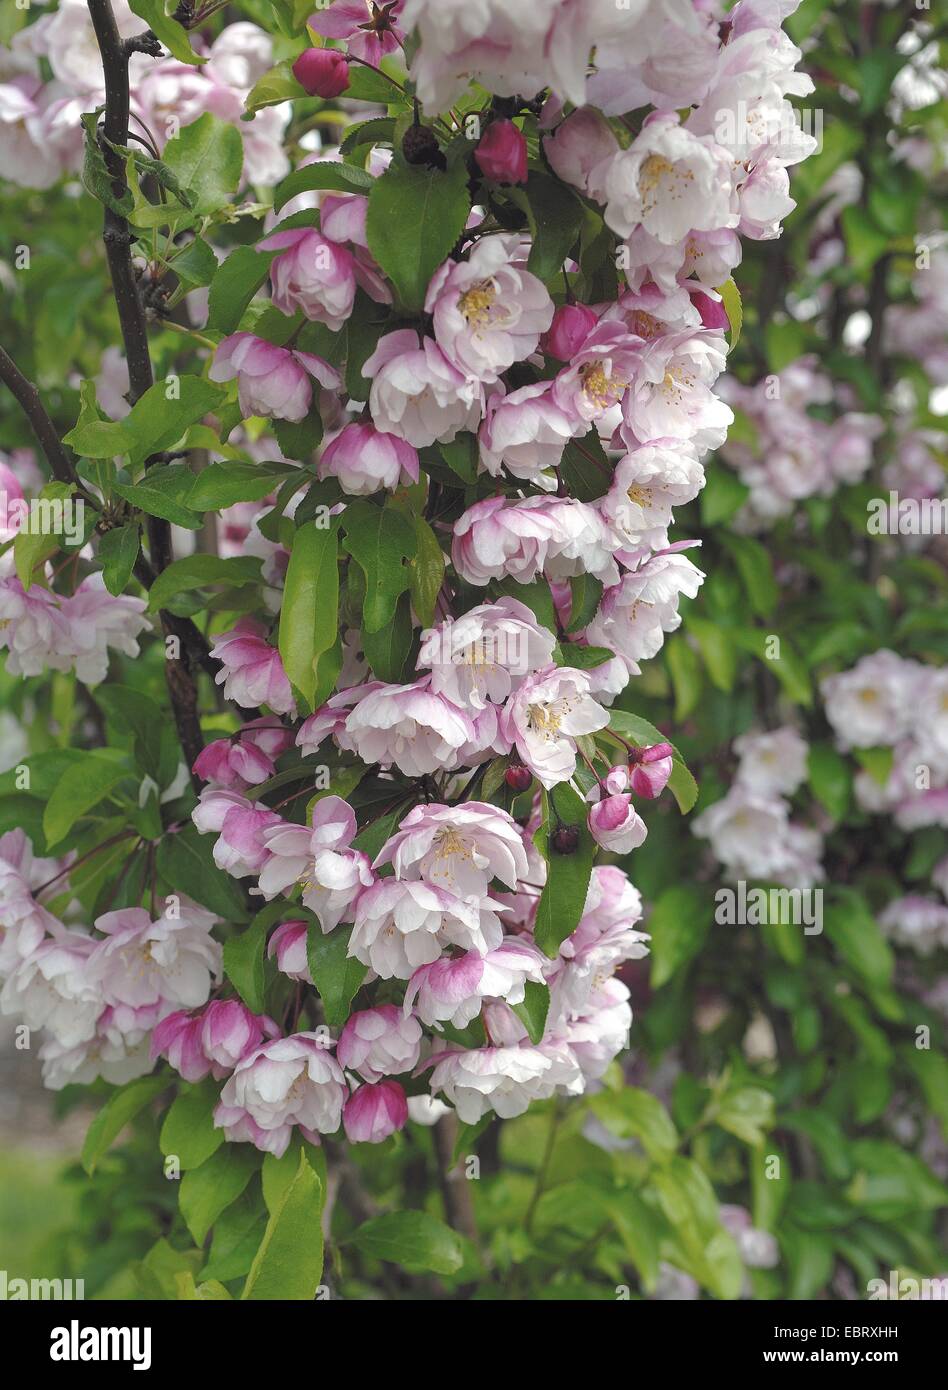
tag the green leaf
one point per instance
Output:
(273, 88)
(679, 924)
(534, 1009)
(425, 572)
(856, 935)
(159, 494)
(414, 1239)
(188, 1130)
(586, 592)
(278, 1173)
(289, 1263)
(416, 215)
(222, 484)
(243, 963)
(196, 265)
(734, 308)
(164, 413)
(236, 282)
(195, 571)
(336, 974)
(186, 864)
(208, 1190)
(121, 1107)
(564, 893)
(157, 15)
(635, 1114)
(138, 714)
(722, 496)
(756, 570)
(118, 552)
(32, 548)
(686, 674)
(207, 156)
(830, 777)
(891, 1184)
(82, 786)
(747, 1112)
(323, 173)
(555, 216)
(309, 623)
(381, 540)
(717, 650)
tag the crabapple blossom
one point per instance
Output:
(488, 311)
(525, 433)
(457, 848)
(155, 965)
(251, 669)
(772, 762)
(416, 393)
(451, 990)
(506, 1080)
(379, 1042)
(284, 1082)
(322, 72)
(247, 757)
(318, 858)
(650, 770)
(375, 1111)
(271, 380)
(615, 826)
(402, 924)
(501, 153)
(670, 182)
(312, 274)
(646, 485)
(288, 946)
(365, 459)
(486, 653)
(546, 716)
(51, 989)
(369, 36)
(409, 727)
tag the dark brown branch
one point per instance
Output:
(455, 1188)
(118, 242)
(27, 396)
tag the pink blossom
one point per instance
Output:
(488, 311)
(230, 1032)
(458, 848)
(417, 393)
(370, 27)
(177, 1037)
(615, 826)
(401, 924)
(374, 1112)
(452, 989)
(635, 614)
(670, 181)
(288, 946)
(486, 653)
(144, 964)
(671, 396)
(317, 857)
(501, 153)
(646, 485)
(365, 459)
(546, 716)
(506, 1080)
(599, 372)
(311, 274)
(251, 670)
(271, 380)
(408, 727)
(285, 1082)
(247, 757)
(580, 151)
(651, 769)
(51, 988)
(526, 432)
(380, 1042)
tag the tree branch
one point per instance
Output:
(118, 242)
(28, 398)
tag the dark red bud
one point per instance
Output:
(518, 777)
(565, 839)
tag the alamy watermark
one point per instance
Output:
(907, 516)
(15, 1290)
(760, 907)
(43, 516)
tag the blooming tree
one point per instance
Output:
(417, 314)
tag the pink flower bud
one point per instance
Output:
(712, 311)
(322, 72)
(651, 770)
(365, 459)
(571, 324)
(230, 1032)
(615, 826)
(501, 153)
(374, 1112)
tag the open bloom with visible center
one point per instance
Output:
(400, 925)
(251, 669)
(271, 380)
(670, 182)
(488, 311)
(546, 716)
(286, 1082)
(457, 848)
(646, 485)
(635, 614)
(486, 653)
(318, 858)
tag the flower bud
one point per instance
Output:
(565, 839)
(322, 72)
(374, 1112)
(518, 777)
(501, 153)
(651, 770)
(571, 323)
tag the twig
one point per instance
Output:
(455, 1189)
(28, 398)
(118, 241)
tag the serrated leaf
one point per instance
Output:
(309, 624)
(416, 215)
